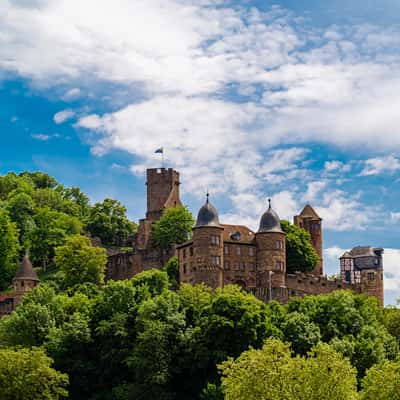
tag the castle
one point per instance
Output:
(220, 254)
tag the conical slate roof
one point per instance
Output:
(25, 271)
(270, 221)
(207, 216)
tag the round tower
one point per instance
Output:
(24, 279)
(208, 246)
(271, 252)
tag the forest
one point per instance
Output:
(78, 337)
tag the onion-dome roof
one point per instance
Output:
(270, 221)
(25, 271)
(207, 216)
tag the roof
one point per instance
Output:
(207, 216)
(309, 212)
(270, 222)
(25, 271)
(237, 234)
(362, 251)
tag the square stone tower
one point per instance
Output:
(310, 221)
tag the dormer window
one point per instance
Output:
(235, 236)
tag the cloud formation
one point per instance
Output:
(235, 95)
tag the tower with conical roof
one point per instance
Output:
(25, 279)
(208, 246)
(311, 222)
(271, 253)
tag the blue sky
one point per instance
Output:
(297, 100)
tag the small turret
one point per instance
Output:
(25, 278)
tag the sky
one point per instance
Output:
(294, 100)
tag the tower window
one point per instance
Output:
(236, 266)
(251, 251)
(371, 276)
(279, 244)
(227, 265)
(279, 265)
(251, 267)
(22, 283)
(242, 266)
(184, 268)
(226, 250)
(191, 251)
(184, 253)
(215, 260)
(238, 251)
(215, 240)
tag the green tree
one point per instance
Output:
(21, 209)
(9, 247)
(51, 229)
(382, 382)
(300, 254)
(300, 332)
(28, 375)
(81, 262)
(108, 221)
(271, 373)
(172, 269)
(174, 227)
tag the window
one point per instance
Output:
(376, 261)
(191, 251)
(279, 244)
(238, 251)
(371, 276)
(279, 265)
(251, 251)
(215, 240)
(348, 276)
(235, 236)
(215, 260)
(184, 253)
(242, 266)
(227, 265)
(226, 250)
(251, 267)
(184, 268)
(236, 266)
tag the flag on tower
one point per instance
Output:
(159, 150)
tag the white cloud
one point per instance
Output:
(379, 165)
(336, 166)
(41, 136)
(63, 116)
(395, 217)
(72, 94)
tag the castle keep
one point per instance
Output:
(162, 193)
(219, 254)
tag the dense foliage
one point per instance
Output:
(9, 246)
(28, 375)
(300, 254)
(39, 214)
(140, 339)
(174, 227)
